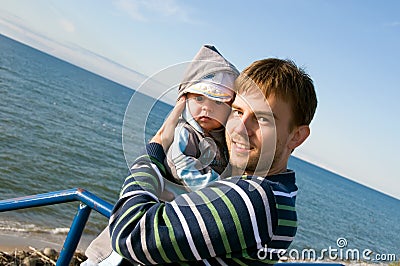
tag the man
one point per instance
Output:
(245, 220)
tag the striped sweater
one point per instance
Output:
(230, 222)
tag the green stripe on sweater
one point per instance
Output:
(235, 219)
(172, 237)
(285, 207)
(216, 216)
(157, 237)
(287, 223)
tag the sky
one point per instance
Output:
(351, 49)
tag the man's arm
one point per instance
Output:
(230, 219)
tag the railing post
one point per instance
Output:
(74, 235)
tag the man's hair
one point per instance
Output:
(284, 80)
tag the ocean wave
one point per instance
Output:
(31, 228)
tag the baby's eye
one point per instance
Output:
(218, 102)
(199, 98)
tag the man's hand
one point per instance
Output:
(165, 135)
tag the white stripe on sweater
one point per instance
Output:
(144, 241)
(202, 225)
(266, 205)
(283, 238)
(220, 261)
(130, 250)
(250, 210)
(288, 195)
(131, 195)
(186, 229)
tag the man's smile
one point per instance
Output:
(240, 146)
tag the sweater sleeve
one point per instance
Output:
(231, 220)
(190, 170)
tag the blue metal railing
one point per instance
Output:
(89, 200)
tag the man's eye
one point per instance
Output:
(262, 119)
(199, 98)
(236, 113)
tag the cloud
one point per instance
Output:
(145, 10)
(131, 8)
(67, 25)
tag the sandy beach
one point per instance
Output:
(10, 243)
(23, 250)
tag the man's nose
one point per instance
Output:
(245, 126)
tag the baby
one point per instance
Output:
(199, 154)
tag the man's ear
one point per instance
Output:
(298, 136)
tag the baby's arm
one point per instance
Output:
(190, 169)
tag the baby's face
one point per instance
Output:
(209, 114)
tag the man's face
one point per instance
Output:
(257, 133)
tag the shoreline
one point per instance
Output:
(19, 242)
(30, 250)
(19, 250)
(12, 243)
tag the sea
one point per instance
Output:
(61, 128)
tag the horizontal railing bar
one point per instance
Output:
(56, 197)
